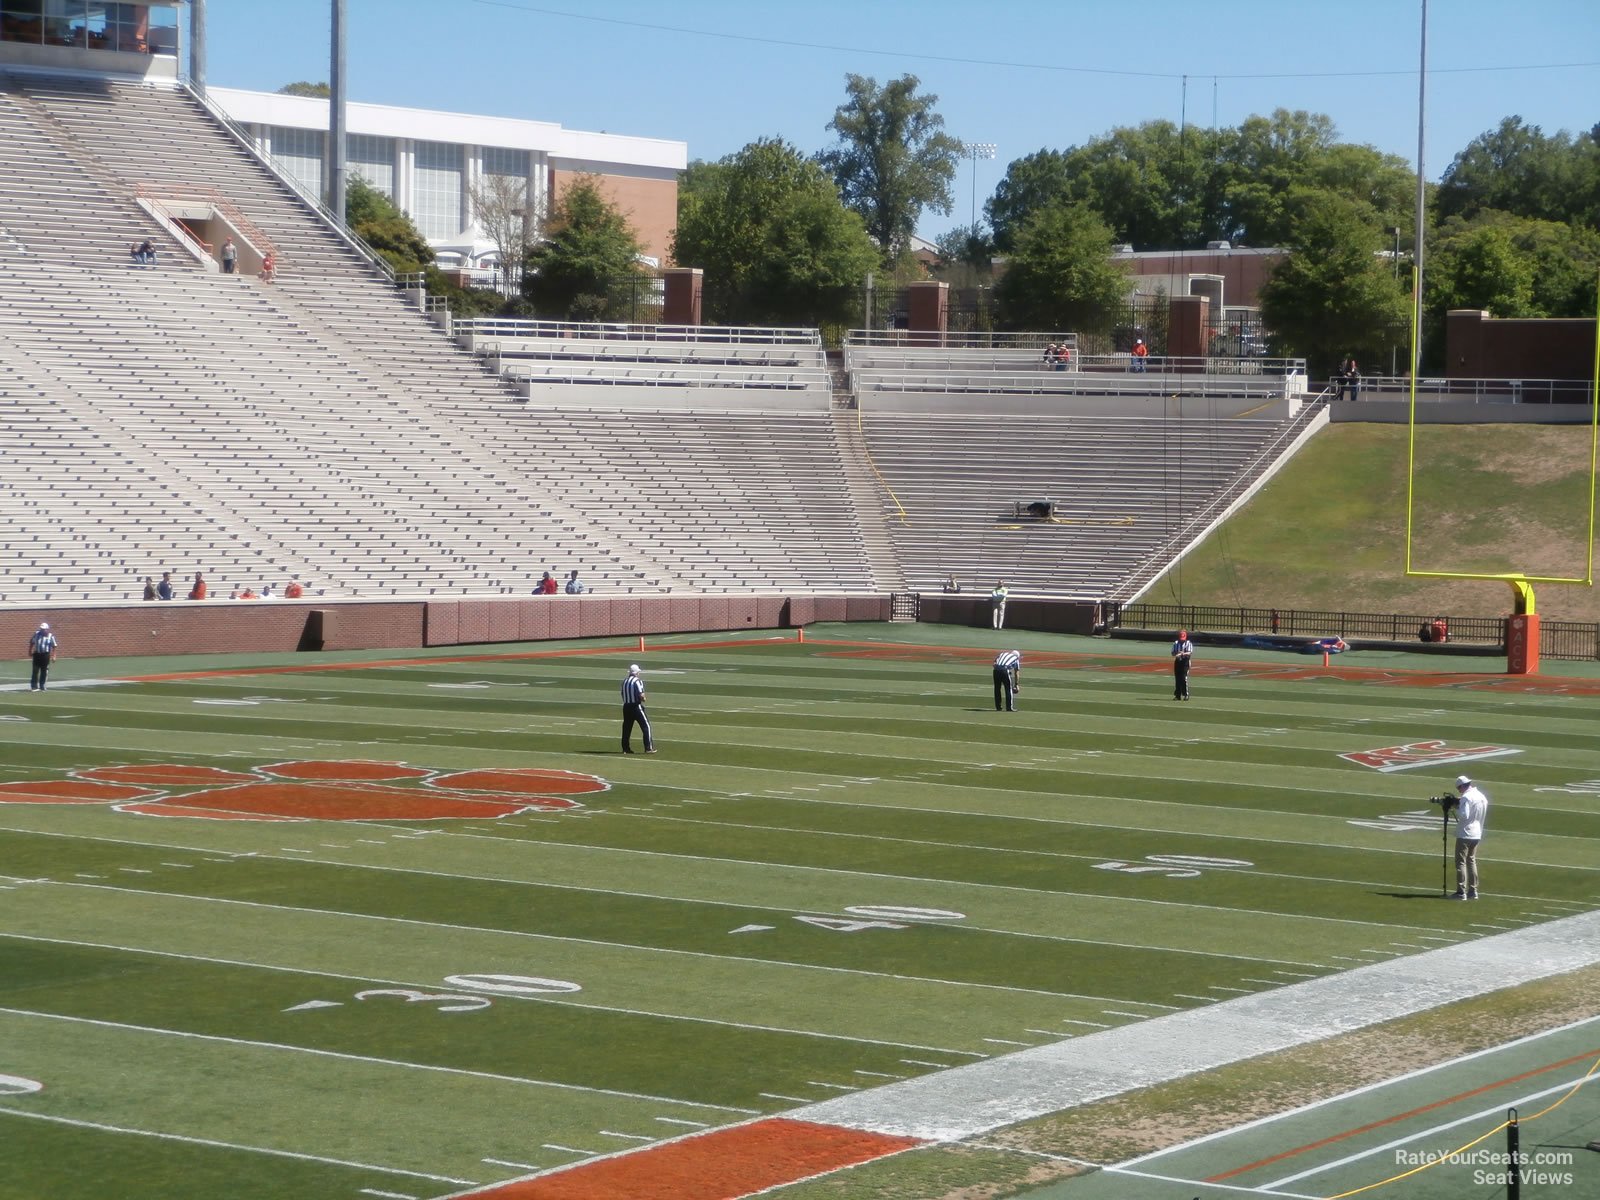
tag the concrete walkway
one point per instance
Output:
(968, 1101)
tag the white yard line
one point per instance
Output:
(560, 1001)
(971, 1100)
(6, 1111)
(218, 1039)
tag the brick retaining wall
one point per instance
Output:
(177, 627)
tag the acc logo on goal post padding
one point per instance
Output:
(1424, 754)
(313, 791)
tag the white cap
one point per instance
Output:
(633, 669)
(44, 624)
(1463, 781)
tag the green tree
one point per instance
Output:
(965, 246)
(767, 227)
(1028, 185)
(1061, 276)
(1518, 169)
(894, 160)
(1513, 266)
(589, 247)
(1332, 295)
(375, 219)
(319, 91)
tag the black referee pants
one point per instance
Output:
(41, 671)
(1004, 690)
(634, 714)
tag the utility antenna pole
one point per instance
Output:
(336, 123)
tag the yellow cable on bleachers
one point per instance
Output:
(1444, 1158)
(865, 449)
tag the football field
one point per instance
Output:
(413, 927)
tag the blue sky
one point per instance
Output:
(1024, 74)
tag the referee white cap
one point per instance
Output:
(44, 624)
(633, 669)
(1463, 781)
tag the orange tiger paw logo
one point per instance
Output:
(313, 791)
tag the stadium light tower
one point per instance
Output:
(975, 151)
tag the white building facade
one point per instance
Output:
(429, 164)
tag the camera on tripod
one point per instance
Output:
(1444, 802)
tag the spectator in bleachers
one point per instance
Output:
(1050, 357)
(144, 253)
(1137, 356)
(198, 591)
(547, 586)
(266, 592)
(997, 605)
(575, 585)
(294, 589)
(245, 593)
(149, 588)
(950, 585)
(230, 256)
(268, 266)
(164, 588)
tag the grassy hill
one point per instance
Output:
(1329, 531)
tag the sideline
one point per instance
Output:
(965, 1102)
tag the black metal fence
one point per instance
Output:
(1557, 639)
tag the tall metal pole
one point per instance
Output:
(197, 45)
(336, 122)
(1422, 212)
(975, 151)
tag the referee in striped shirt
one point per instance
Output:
(1007, 679)
(633, 711)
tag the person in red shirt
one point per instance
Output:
(294, 589)
(547, 586)
(198, 591)
(1140, 353)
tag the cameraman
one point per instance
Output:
(1471, 807)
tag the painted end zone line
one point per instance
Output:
(721, 1165)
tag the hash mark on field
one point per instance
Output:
(1189, 996)
(286, 850)
(372, 841)
(180, 866)
(387, 1195)
(568, 1149)
(1217, 987)
(136, 871)
(1006, 1042)
(1297, 974)
(1054, 1033)
(886, 1075)
(772, 1096)
(681, 1121)
(917, 1062)
(503, 1162)
(82, 875)
(1095, 1024)
(1117, 1012)
(632, 1137)
(841, 1087)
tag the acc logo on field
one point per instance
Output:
(312, 791)
(1424, 754)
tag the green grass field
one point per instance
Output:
(843, 869)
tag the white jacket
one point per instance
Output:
(1472, 809)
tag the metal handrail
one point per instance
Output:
(957, 340)
(1159, 557)
(621, 331)
(336, 223)
(1476, 391)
